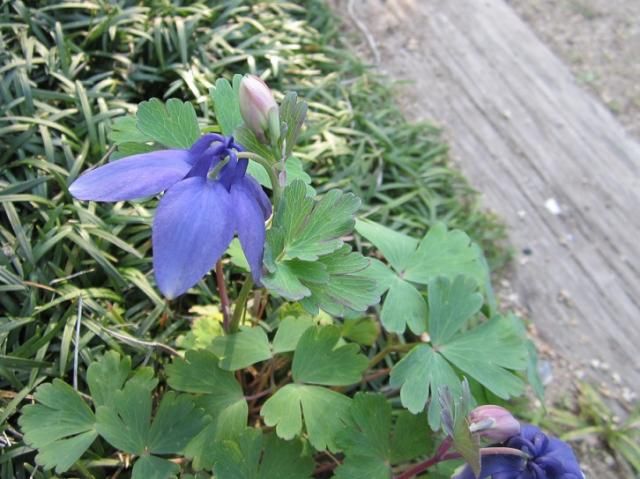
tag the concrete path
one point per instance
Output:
(547, 156)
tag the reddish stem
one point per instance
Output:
(432, 461)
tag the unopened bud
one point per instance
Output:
(257, 105)
(494, 423)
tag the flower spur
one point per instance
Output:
(198, 215)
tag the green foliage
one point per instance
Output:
(227, 107)
(286, 408)
(126, 425)
(292, 115)
(439, 253)
(218, 393)
(455, 424)
(306, 229)
(293, 168)
(319, 360)
(290, 330)
(172, 124)
(485, 352)
(242, 349)
(254, 455)
(369, 443)
(61, 426)
(307, 258)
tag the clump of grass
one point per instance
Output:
(69, 68)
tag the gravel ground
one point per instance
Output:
(600, 41)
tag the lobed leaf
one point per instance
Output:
(173, 124)
(242, 349)
(60, 425)
(365, 439)
(318, 359)
(286, 408)
(218, 393)
(486, 352)
(226, 104)
(253, 455)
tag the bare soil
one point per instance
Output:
(600, 41)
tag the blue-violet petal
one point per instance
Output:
(192, 228)
(249, 217)
(133, 177)
(258, 193)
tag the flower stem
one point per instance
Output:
(224, 297)
(240, 305)
(493, 451)
(394, 348)
(439, 456)
(273, 177)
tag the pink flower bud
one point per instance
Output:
(256, 101)
(494, 423)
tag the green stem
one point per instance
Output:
(395, 348)
(240, 305)
(273, 177)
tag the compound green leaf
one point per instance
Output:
(372, 441)
(451, 305)
(107, 376)
(404, 306)
(317, 360)
(292, 114)
(217, 392)
(253, 455)
(313, 228)
(350, 287)
(242, 349)
(419, 375)
(126, 425)
(152, 467)
(289, 332)
(363, 331)
(226, 104)
(286, 408)
(365, 439)
(411, 437)
(125, 422)
(284, 282)
(175, 423)
(445, 253)
(173, 124)
(125, 130)
(455, 424)
(397, 248)
(487, 352)
(293, 168)
(60, 425)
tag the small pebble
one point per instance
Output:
(552, 205)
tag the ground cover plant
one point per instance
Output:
(240, 381)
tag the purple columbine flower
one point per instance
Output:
(549, 458)
(198, 215)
